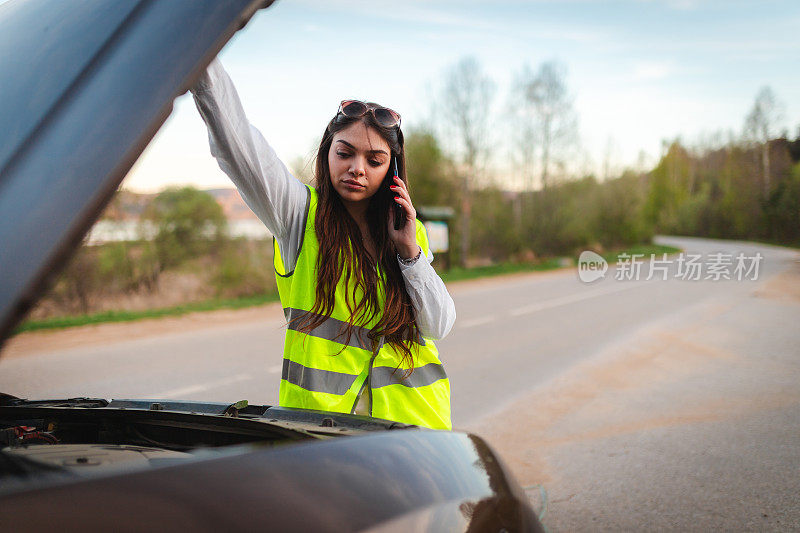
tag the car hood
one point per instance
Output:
(85, 86)
(284, 423)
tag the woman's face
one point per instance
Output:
(358, 159)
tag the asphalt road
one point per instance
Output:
(638, 404)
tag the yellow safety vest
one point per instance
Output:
(324, 370)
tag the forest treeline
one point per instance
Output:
(719, 192)
(747, 187)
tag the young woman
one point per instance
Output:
(363, 305)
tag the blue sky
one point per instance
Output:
(639, 72)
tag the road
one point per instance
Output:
(638, 404)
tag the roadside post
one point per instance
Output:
(435, 218)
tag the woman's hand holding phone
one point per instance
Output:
(404, 237)
(399, 218)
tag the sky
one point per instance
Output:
(639, 72)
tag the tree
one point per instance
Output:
(794, 147)
(186, 222)
(761, 126)
(668, 186)
(782, 209)
(524, 123)
(543, 98)
(467, 98)
(429, 170)
(79, 281)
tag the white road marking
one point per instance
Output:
(555, 302)
(477, 322)
(192, 389)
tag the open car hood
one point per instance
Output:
(85, 86)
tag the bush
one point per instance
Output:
(618, 213)
(188, 223)
(77, 286)
(245, 269)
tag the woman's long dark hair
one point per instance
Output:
(342, 254)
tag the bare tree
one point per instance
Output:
(525, 127)
(543, 96)
(761, 125)
(467, 97)
(609, 159)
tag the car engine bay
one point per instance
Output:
(77, 438)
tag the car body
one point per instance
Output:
(85, 87)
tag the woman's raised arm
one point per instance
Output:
(264, 182)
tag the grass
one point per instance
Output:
(127, 316)
(455, 274)
(645, 249)
(459, 274)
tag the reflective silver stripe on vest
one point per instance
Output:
(332, 329)
(317, 380)
(422, 376)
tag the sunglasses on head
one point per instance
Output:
(383, 115)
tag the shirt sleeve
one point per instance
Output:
(266, 185)
(436, 312)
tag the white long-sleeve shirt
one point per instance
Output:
(279, 199)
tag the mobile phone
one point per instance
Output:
(399, 212)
